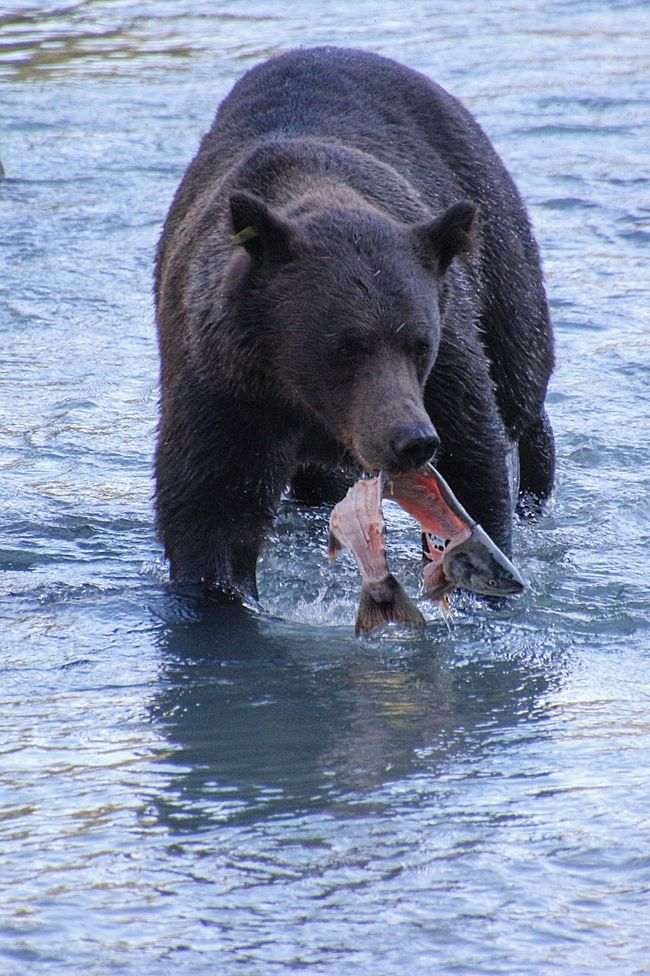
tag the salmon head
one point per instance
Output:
(478, 565)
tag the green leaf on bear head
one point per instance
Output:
(244, 235)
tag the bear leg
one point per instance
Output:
(215, 552)
(220, 474)
(536, 466)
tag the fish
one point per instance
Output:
(477, 564)
(357, 523)
(458, 551)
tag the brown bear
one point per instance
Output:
(346, 280)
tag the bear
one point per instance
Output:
(346, 281)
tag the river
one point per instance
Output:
(196, 791)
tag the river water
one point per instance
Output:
(222, 792)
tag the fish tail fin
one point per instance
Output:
(384, 603)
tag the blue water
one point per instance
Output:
(225, 792)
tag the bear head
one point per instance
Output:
(342, 307)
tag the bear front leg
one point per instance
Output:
(219, 477)
(213, 549)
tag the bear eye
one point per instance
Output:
(421, 349)
(351, 348)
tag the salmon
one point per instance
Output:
(357, 524)
(458, 552)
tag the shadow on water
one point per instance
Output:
(267, 719)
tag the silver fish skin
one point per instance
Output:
(477, 564)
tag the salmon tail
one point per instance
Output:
(384, 603)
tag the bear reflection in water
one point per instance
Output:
(267, 718)
(346, 281)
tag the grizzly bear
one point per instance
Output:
(346, 281)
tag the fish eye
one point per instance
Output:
(492, 583)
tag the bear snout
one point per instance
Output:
(413, 445)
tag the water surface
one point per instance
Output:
(216, 791)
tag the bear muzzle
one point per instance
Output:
(387, 425)
(413, 445)
(404, 447)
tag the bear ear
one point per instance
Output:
(449, 235)
(265, 235)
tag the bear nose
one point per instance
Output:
(414, 444)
